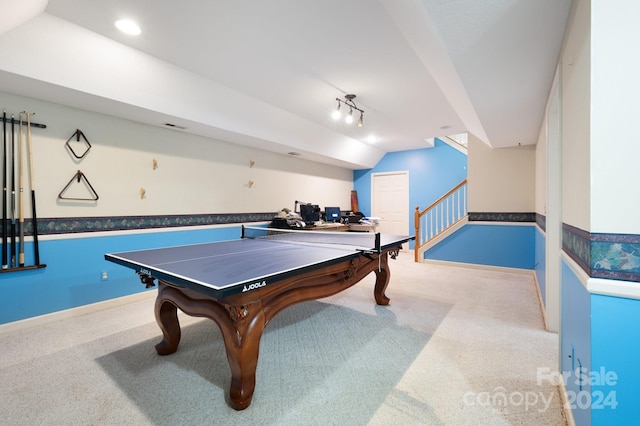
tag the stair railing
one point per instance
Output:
(441, 215)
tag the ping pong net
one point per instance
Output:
(362, 241)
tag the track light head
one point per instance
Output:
(349, 101)
(336, 113)
(349, 118)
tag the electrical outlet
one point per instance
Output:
(105, 275)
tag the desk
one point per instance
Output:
(337, 227)
(361, 227)
(242, 284)
(332, 227)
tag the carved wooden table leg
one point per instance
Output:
(242, 340)
(382, 280)
(241, 325)
(167, 319)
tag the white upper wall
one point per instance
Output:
(615, 90)
(576, 101)
(15, 13)
(195, 175)
(541, 172)
(501, 180)
(599, 89)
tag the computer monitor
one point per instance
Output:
(332, 214)
(310, 213)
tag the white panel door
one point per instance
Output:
(390, 202)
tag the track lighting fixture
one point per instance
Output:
(349, 102)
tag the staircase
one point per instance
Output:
(442, 218)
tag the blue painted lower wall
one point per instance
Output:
(575, 343)
(511, 246)
(541, 263)
(73, 276)
(599, 339)
(615, 342)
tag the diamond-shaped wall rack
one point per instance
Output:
(77, 134)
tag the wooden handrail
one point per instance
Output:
(452, 140)
(418, 215)
(439, 200)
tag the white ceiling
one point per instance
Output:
(265, 73)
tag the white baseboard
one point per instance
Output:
(543, 309)
(75, 312)
(566, 406)
(479, 266)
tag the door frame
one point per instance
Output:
(373, 190)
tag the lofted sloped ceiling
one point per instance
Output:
(266, 73)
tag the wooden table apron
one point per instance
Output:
(242, 317)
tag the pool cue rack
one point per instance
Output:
(24, 123)
(14, 229)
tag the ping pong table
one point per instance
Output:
(242, 284)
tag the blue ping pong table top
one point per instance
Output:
(227, 267)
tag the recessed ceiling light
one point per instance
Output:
(127, 26)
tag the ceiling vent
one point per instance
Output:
(175, 126)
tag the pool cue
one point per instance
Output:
(5, 264)
(13, 194)
(20, 196)
(32, 187)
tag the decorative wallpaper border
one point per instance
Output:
(609, 256)
(51, 226)
(615, 256)
(577, 244)
(502, 217)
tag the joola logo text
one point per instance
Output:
(254, 286)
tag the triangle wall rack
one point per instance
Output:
(79, 176)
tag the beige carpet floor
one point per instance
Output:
(456, 346)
